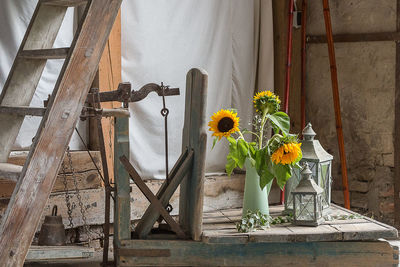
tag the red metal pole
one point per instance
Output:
(303, 63)
(336, 102)
(288, 69)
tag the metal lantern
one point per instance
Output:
(320, 164)
(307, 200)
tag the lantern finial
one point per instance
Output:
(308, 133)
(306, 172)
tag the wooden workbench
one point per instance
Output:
(356, 242)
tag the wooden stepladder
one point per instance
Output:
(38, 175)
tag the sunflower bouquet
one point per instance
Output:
(273, 157)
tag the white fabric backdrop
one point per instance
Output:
(161, 41)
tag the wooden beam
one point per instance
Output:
(86, 174)
(356, 37)
(108, 78)
(185, 253)
(397, 129)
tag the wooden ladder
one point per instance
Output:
(38, 175)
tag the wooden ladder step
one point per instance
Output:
(53, 53)
(10, 171)
(68, 3)
(23, 110)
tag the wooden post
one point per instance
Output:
(336, 102)
(122, 205)
(195, 138)
(397, 129)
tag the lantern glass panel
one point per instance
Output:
(318, 211)
(305, 207)
(291, 184)
(314, 168)
(325, 183)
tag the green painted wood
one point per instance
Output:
(192, 253)
(45, 253)
(122, 206)
(166, 191)
(195, 138)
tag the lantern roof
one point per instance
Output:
(312, 149)
(307, 184)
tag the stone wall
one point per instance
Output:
(366, 76)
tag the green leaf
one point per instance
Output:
(282, 173)
(214, 142)
(262, 167)
(230, 165)
(232, 158)
(243, 152)
(280, 120)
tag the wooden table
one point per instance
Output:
(356, 242)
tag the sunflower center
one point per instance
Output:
(225, 124)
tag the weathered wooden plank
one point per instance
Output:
(350, 212)
(51, 53)
(189, 253)
(194, 137)
(86, 173)
(80, 160)
(21, 110)
(365, 231)
(45, 253)
(33, 189)
(315, 234)
(277, 233)
(25, 73)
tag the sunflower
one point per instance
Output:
(224, 123)
(266, 101)
(286, 154)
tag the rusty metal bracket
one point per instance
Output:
(124, 94)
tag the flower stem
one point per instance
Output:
(263, 121)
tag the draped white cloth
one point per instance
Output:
(161, 41)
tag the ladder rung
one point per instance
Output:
(64, 2)
(23, 110)
(53, 53)
(10, 171)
